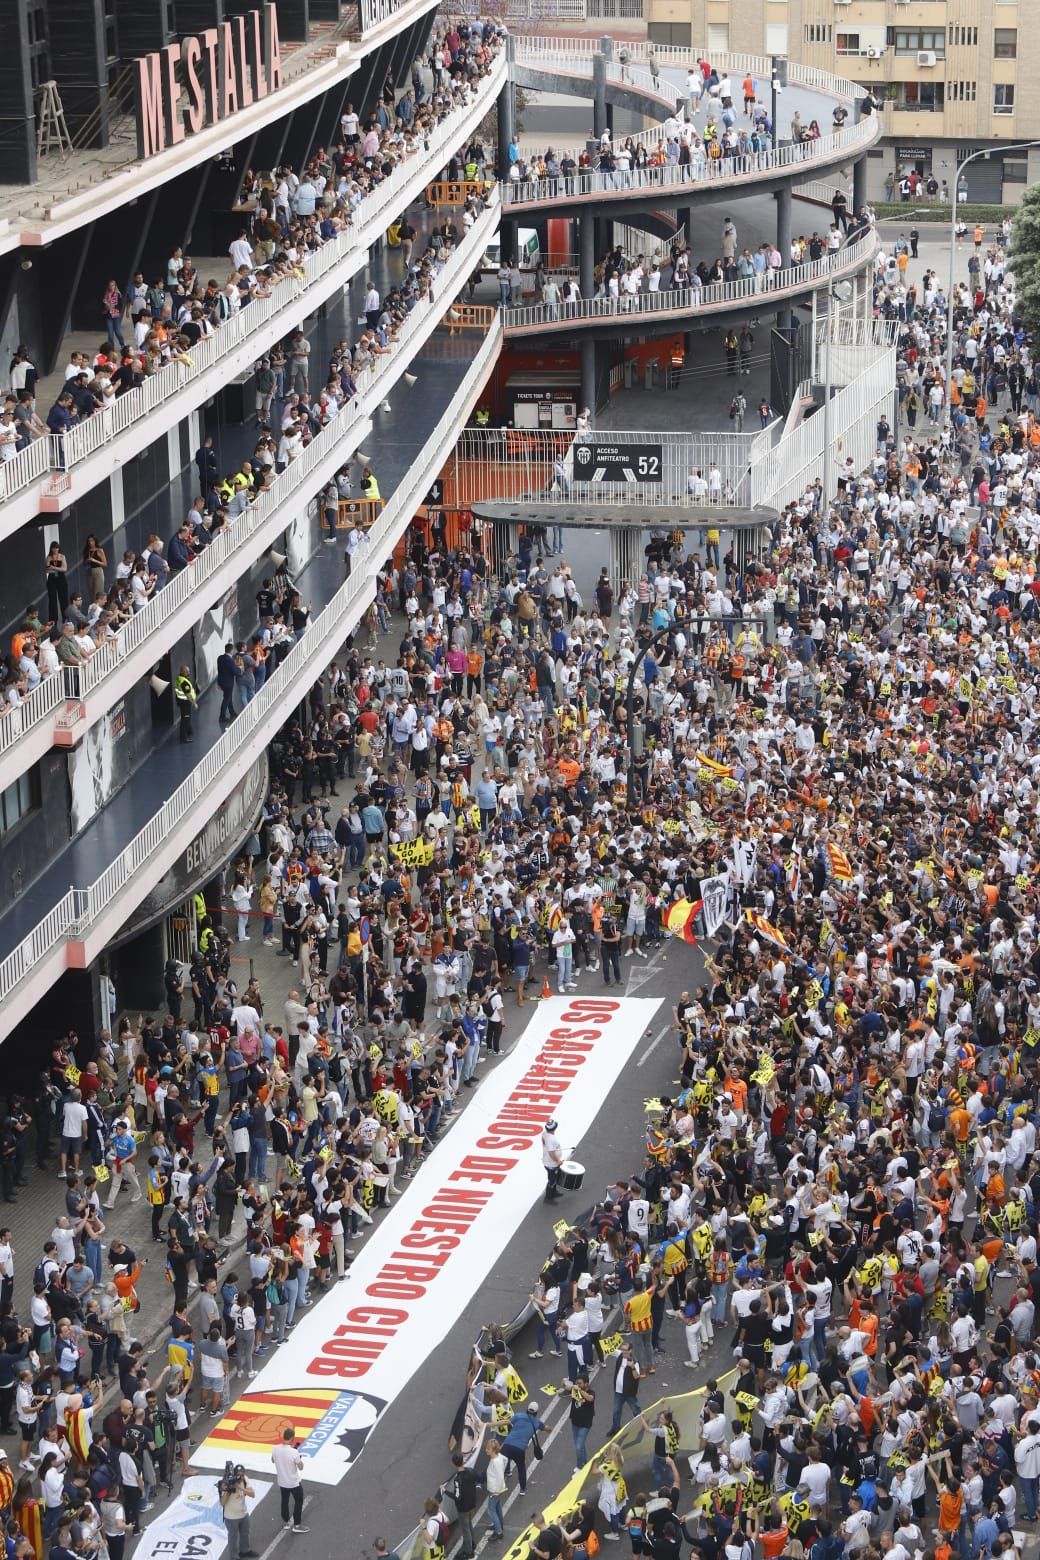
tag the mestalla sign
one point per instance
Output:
(372, 12)
(205, 79)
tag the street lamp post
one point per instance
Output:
(634, 732)
(1018, 146)
(777, 83)
(838, 292)
(635, 738)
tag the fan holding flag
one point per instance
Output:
(679, 919)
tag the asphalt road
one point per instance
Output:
(406, 1457)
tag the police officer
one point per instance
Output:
(186, 696)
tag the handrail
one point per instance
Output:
(79, 910)
(39, 705)
(693, 299)
(702, 173)
(26, 467)
(237, 534)
(673, 57)
(64, 451)
(77, 682)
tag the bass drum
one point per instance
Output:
(571, 1176)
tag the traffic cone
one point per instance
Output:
(546, 990)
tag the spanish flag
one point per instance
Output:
(772, 934)
(840, 864)
(679, 919)
(724, 771)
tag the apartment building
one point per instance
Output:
(955, 76)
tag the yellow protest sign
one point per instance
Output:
(514, 1384)
(413, 853)
(765, 1072)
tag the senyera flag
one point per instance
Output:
(763, 927)
(840, 864)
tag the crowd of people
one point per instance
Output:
(288, 215)
(621, 280)
(290, 413)
(721, 143)
(845, 1183)
(848, 1174)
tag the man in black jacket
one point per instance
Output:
(464, 1494)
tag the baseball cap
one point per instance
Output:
(550, 1126)
(532, 1406)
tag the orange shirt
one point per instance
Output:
(960, 1121)
(738, 1088)
(774, 1543)
(950, 1508)
(569, 770)
(868, 1323)
(124, 1283)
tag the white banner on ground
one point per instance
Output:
(365, 1340)
(192, 1528)
(715, 897)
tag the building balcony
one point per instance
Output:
(645, 312)
(65, 706)
(54, 471)
(122, 854)
(69, 194)
(682, 184)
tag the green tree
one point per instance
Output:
(1025, 258)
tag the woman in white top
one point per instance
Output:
(114, 1525)
(177, 1405)
(244, 1318)
(52, 1482)
(496, 1486)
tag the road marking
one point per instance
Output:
(511, 1499)
(652, 1047)
(283, 1531)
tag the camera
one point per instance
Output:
(233, 1475)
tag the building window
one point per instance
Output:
(963, 37)
(817, 32)
(20, 799)
(1015, 172)
(1003, 97)
(718, 38)
(847, 43)
(1005, 43)
(776, 37)
(917, 97)
(961, 92)
(910, 40)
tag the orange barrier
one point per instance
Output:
(360, 510)
(470, 316)
(453, 192)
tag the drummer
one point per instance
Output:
(552, 1159)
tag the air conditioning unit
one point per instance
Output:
(876, 54)
(925, 57)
